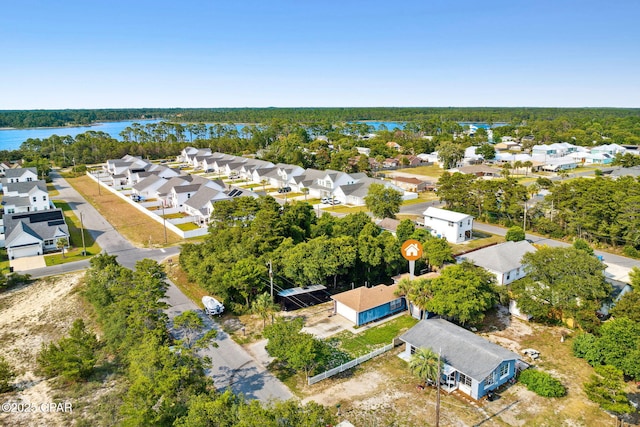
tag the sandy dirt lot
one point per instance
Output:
(383, 392)
(37, 313)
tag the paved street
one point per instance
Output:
(612, 259)
(232, 365)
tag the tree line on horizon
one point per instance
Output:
(512, 115)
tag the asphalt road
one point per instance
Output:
(540, 240)
(232, 365)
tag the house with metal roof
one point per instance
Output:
(363, 305)
(504, 260)
(472, 364)
(455, 227)
(34, 233)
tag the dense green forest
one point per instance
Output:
(51, 118)
(302, 249)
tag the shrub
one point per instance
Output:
(542, 383)
(630, 251)
(7, 374)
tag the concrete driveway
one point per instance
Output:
(27, 263)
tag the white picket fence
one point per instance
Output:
(350, 364)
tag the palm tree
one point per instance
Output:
(424, 365)
(264, 307)
(528, 165)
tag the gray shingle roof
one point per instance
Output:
(146, 182)
(42, 224)
(18, 172)
(17, 201)
(25, 187)
(502, 258)
(202, 197)
(463, 350)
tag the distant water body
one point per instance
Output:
(11, 139)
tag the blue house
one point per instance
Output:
(363, 305)
(472, 364)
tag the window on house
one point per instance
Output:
(413, 349)
(504, 370)
(466, 380)
(490, 380)
(10, 210)
(48, 242)
(450, 224)
(396, 304)
(460, 224)
(44, 198)
(468, 222)
(34, 198)
(508, 276)
(29, 179)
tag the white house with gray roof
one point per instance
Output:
(472, 364)
(19, 175)
(503, 260)
(455, 227)
(34, 233)
(25, 197)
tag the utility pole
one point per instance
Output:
(524, 221)
(164, 223)
(84, 248)
(99, 190)
(438, 392)
(271, 278)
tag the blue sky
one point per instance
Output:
(197, 53)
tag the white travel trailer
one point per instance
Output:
(212, 306)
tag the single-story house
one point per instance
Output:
(388, 224)
(34, 233)
(482, 171)
(472, 364)
(411, 184)
(363, 305)
(503, 260)
(454, 226)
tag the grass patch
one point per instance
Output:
(135, 226)
(52, 190)
(74, 253)
(192, 290)
(345, 209)
(433, 171)
(367, 341)
(187, 226)
(288, 195)
(4, 260)
(422, 197)
(174, 215)
(479, 241)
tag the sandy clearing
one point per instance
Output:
(30, 315)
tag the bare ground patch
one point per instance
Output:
(37, 313)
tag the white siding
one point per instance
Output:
(346, 312)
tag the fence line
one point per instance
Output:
(350, 364)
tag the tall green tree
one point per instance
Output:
(606, 388)
(462, 292)
(450, 153)
(560, 284)
(382, 201)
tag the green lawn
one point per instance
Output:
(367, 341)
(345, 209)
(4, 261)
(174, 215)
(422, 197)
(52, 190)
(74, 253)
(187, 226)
(432, 171)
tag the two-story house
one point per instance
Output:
(455, 227)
